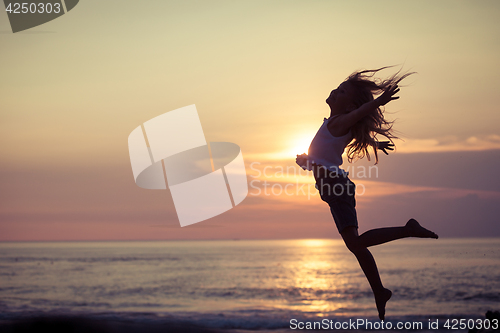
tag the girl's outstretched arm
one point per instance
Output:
(347, 120)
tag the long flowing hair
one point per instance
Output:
(365, 131)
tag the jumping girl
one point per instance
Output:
(356, 118)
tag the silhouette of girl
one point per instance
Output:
(356, 118)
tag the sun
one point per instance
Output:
(295, 145)
(300, 145)
(301, 148)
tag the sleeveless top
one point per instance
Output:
(326, 150)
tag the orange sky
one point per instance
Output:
(73, 89)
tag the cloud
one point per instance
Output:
(450, 143)
(458, 192)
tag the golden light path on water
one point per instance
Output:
(315, 270)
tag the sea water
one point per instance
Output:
(251, 284)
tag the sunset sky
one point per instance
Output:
(73, 89)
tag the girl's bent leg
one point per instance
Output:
(369, 267)
(384, 235)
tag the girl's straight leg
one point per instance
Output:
(364, 256)
(369, 267)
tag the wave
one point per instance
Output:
(90, 260)
(250, 319)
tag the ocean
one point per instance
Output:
(247, 284)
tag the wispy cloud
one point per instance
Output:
(450, 143)
(431, 145)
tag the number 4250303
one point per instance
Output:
(33, 8)
(461, 324)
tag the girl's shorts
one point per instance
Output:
(337, 191)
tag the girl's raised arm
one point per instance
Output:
(347, 120)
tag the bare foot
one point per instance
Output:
(381, 299)
(416, 230)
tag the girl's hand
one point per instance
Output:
(302, 161)
(383, 145)
(388, 95)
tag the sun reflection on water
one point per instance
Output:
(317, 277)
